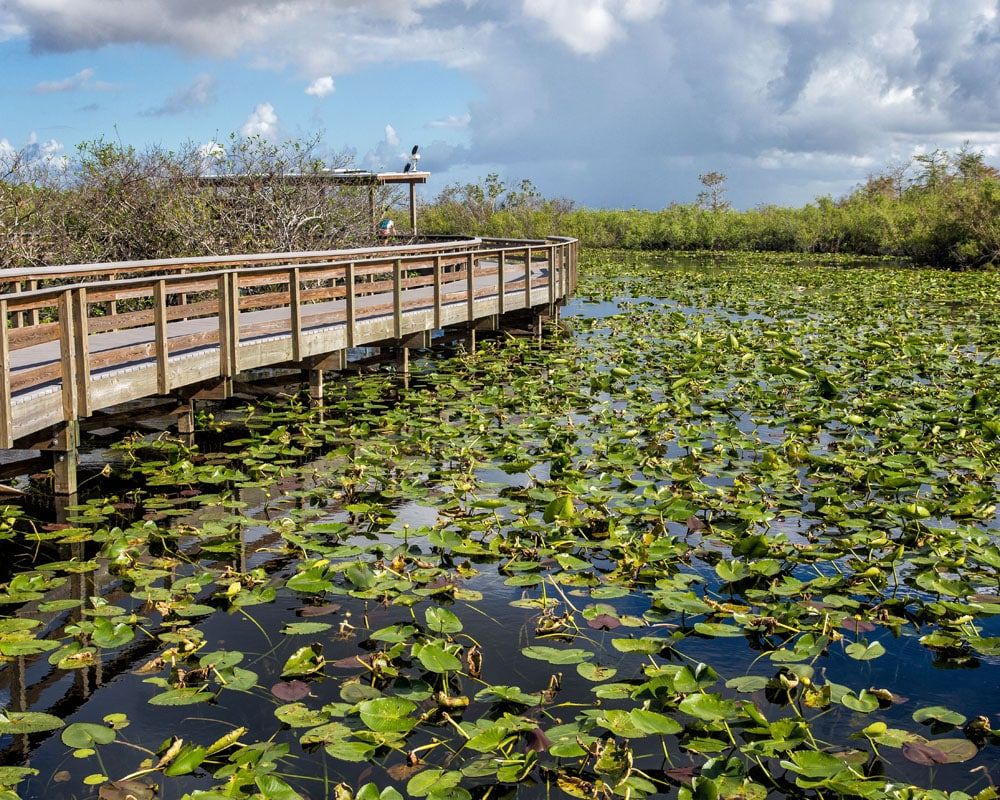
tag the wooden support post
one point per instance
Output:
(295, 312)
(65, 457)
(397, 298)
(161, 342)
(501, 281)
(332, 362)
(413, 209)
(6, 411)
(470, 287)
(349, 298)
(371, 207)
(403, 360)
(537, 326)
(67, 356)
(437, 292)
(527, 278)
(470, 339)
(185, 421)
(316, 388)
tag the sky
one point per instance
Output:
(611, 103)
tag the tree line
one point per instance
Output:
(113, 202)
(940, 208)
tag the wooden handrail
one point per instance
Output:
(230, 312)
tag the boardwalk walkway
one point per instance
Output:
(92, 337)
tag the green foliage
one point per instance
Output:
(113, 202)
(941, 209)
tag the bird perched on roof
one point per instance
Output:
(411, 165)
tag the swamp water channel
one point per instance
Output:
(732, 532)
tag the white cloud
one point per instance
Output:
(48, 153)
(210, 154)
(386, 154)
(588, 27)
(321, 87)
(263, 121)
(786, 12)
(613, 101)
(81, 81)
(221, 27)
(452, 121)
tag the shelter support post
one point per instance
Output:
(413, 209)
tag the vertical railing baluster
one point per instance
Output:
(397, 298)
(470, 287)
(32, 313)
(349, 298)
(67, 356)
(564, 269)
(437, 292)
(552, 275)
(6, 408)
(225, 313)
(161, 343)
(17, 320)
(501, 281)
(527, 278)
(234, 321)
(295, 312)
(81, 317)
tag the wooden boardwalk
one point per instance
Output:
(90, 337)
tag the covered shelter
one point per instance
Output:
(339, 177)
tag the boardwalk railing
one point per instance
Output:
(86, 337)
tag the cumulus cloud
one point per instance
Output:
(263, 121)
(387, 154)
(198, 94)
(81, 81)
(220, 27)
(617, 102)
(47, 153)
(321, 87)
(589, 26)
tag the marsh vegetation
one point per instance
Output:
(732, 532)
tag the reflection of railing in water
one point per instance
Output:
(187, 327)
(27, 679)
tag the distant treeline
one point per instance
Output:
(942, 208)
(112, 202)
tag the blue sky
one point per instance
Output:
(612, 103)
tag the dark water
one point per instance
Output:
(499, 621)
